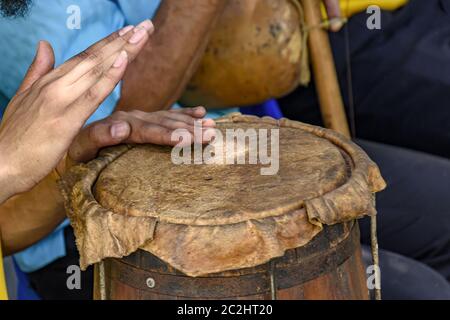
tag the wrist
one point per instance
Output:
(7, 185)
(64, 165)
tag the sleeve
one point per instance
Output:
(3, 104)
(49, 23)
(18, 40)
(138, 10)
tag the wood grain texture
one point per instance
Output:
(319, 271)
(324, 70)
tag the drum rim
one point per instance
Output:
(352, 154)
(112, 201)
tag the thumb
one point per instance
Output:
(98, 135)
(42, 64)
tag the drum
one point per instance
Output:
(159, 228)
(254, 54)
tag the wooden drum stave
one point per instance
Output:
(329, 267)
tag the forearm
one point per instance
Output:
(29, 217)
(7, 187)
(158, 76)
(5, 193)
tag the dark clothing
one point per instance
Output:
(414, 211)
(401, 85)
(406, 279)
(50, 282)
(401, 78)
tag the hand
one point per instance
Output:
(334, 11)
(52, 105)
(136, 127)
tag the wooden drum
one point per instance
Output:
(160, 230)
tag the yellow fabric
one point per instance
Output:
(352, 7)
(3, 292)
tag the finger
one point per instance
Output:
(144, 132)
(173, 119)
(174, 124)
(334, 11)
(88, 62)
(98, 46)
(147, 132)
(94, 76)
(177, 117)
(131, 40)
(42, 64)
(198, 112)
(170, 118)
(208, 123)
(96, 136)
(70, 64)
(84, 106)
(135, 46)
(89, 55)
(157, 134)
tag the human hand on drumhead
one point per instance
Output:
(138, 127)
(334, 11)
(52, 105)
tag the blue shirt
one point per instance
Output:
(47, 20)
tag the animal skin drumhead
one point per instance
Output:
(145, 182)
(206, 218)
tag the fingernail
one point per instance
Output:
(139, 34)
(147, 25)
(39, 46)
(121, 58)
(208, 123)
(38, 49)
(119, 130)
(125, 30)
